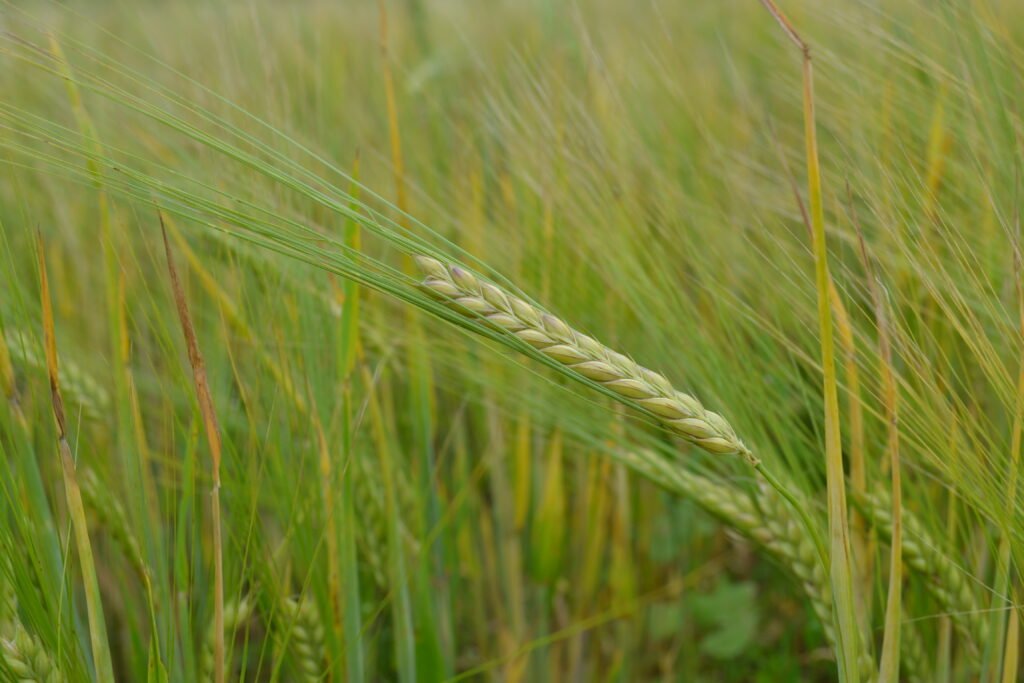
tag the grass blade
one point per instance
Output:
(93, 599)
(840, 561)
(202, 389)
(889, 663)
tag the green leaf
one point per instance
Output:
(731, 612)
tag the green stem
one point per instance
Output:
(812, 530)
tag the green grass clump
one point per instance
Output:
(392, 459)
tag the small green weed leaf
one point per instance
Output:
(732, 614)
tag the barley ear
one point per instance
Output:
(305, 632)
(767, 520)
(235, 616)
(27, 659)
(584, 356)
(79, 388)
(23, 655)
(947, 582)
